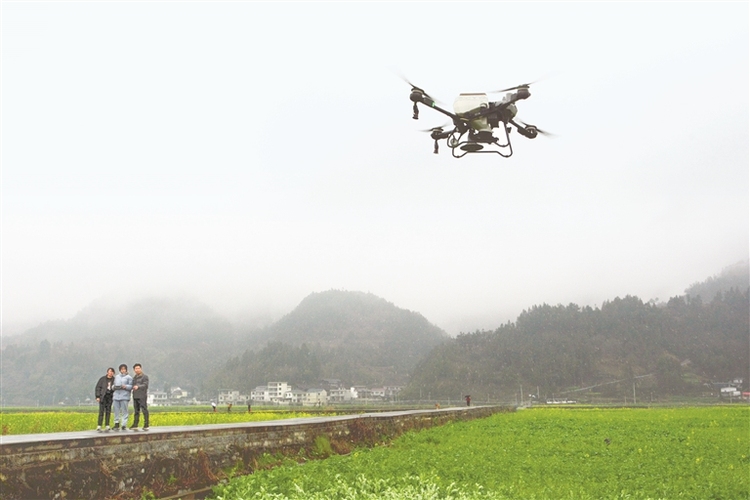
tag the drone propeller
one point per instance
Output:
(437, 133)
(543, 132)
(419, 89)
(509, 89)
(435, 129)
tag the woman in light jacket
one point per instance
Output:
(121, 398)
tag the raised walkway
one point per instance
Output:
(166, 461)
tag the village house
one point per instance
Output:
(230, 396)
(294, 396)
(177, 394)
(157, 398)
(282, 393)
(260, 394)
(342, 395)
(315, 397)
(278, 390)
(385, 393)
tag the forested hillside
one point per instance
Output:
(178, 342)
(352, 336)
(672, 348)
(734, 276)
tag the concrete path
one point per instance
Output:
(79, 435)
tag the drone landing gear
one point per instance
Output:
(479, 142)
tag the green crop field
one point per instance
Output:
(37, 422)
(549, 453)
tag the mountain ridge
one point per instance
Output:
(361, 338)
(182, 342)
(353, 336)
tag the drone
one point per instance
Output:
(475, 117)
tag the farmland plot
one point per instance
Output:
(58, 421)
(544, 453)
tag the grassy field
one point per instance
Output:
(546, 453)
(25, 421)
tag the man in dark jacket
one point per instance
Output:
(140, 395)
(103, 393)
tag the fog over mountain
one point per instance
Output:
(364, 339)
(734, 276)
(247, 154)
(184, 343)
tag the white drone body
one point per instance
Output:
(469, 104)
(474, 118)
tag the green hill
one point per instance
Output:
(734, 276)
(355, 337)
(176, 340)
(673, 348)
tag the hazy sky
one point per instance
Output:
(249, 154)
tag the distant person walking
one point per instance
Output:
(103, 392)
(468, 400)
(121, 398)
(140, 397)
(213, 405)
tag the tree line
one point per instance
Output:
(673, 348)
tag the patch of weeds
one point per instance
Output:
(237, 469)
(321, 447)
(147, 494)
(267, 461)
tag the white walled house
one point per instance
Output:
(228, 396)
(283, 393)
(315, 397)
(392, 391)
(277, 390)
(260, 394)
(177, 393)
(294, 396)
(378, 392)
(342, 395)
(157, 398)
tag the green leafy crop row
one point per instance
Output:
(535, 454)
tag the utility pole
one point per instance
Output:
(633, 391)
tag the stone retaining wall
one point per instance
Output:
(168, 460)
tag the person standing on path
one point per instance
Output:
(103, 393)
(140, 397)
(121, 398)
